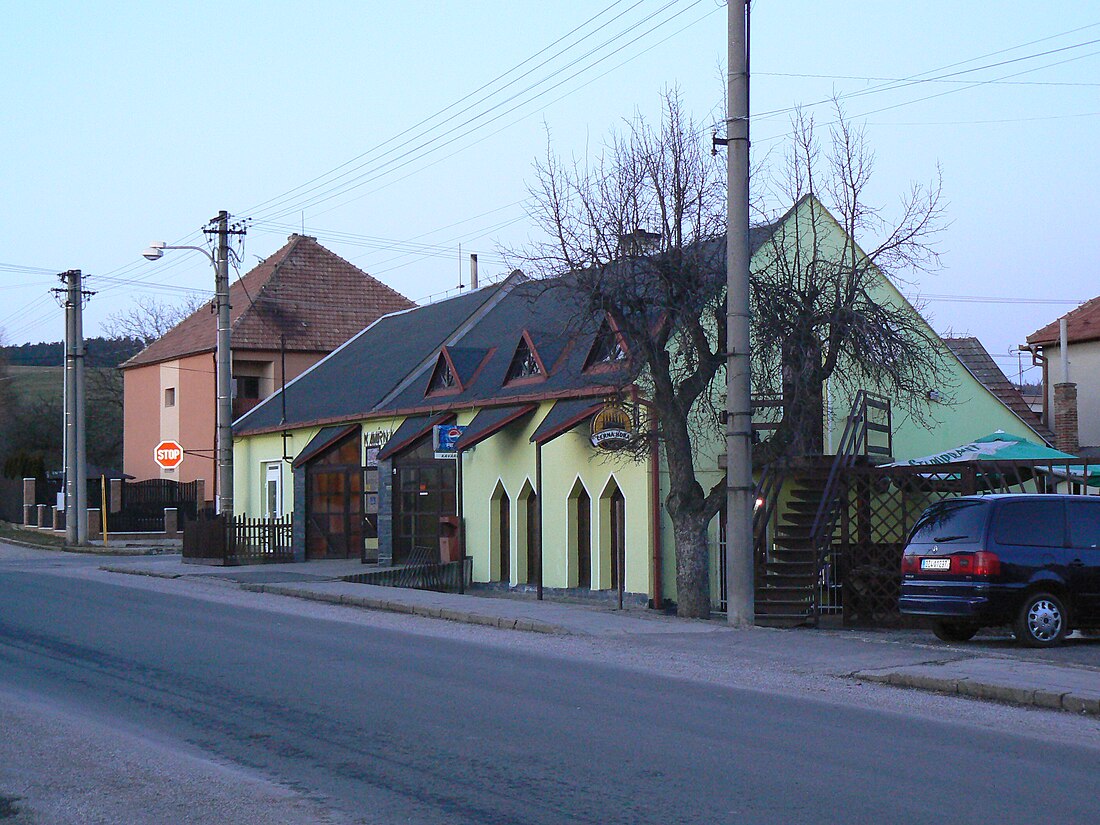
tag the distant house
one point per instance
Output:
(294, 308)
(980, 364)
(1071, 387)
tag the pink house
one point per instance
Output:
(294, 308)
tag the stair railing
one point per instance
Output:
(853, 443)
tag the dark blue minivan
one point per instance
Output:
(1026, 560)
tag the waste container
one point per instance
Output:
(450, 548)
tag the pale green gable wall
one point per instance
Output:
(506, 461)
(968, 410)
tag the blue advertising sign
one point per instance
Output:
(444, 439)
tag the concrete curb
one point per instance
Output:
(974, 689)
(445, 613)
(129, 571)
(84, 551)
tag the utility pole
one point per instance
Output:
(224, 370)
(76, 465)
(739, 486)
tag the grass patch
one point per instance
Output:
(38, 537)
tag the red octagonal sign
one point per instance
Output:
(168, 454)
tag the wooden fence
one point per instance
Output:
(247, 541)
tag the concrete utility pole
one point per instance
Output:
(76, 465)
(223, 355)
(739, 486)
(224, 358)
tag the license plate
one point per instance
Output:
(935, 564)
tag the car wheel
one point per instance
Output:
(954, 631)
(1042, 621)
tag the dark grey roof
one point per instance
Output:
(489, 420)
(353, 379)
(386, 368)
(411, 429)
(564, 416)
(325, 437)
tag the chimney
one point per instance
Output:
(473, 270)
(1065, 400)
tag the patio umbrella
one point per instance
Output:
(998, 446)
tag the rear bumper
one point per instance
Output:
(985, 604)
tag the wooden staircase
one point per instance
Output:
(791, 548)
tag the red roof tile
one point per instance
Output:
(304, 292)
(1082, 324)
(980, 364)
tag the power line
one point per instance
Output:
(432, 144)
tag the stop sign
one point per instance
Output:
(168, 454)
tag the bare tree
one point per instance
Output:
(146, 321)
(820, 313)
(640, 233)
(149, 319)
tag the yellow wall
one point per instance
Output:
(506, 461)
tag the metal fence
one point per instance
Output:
(142, 504)
(423, 572)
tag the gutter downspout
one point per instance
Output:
(538, 515)
(461, 520)
(654, 509)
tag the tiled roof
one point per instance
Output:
(1082, 324)
(980, 364)
(304, 292)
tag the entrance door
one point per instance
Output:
(505, 538)
(584, 540)
(618, 538)
(334, 502)
(424, 490)
(532, 538)
(273, 490)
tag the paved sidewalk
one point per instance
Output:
(900, 659)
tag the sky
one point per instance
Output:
(402, 135)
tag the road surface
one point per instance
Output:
(198, 703)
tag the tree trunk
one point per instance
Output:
(692, 567)
(801, 430)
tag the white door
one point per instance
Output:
(273, 490)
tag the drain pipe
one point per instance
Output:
(538, 515)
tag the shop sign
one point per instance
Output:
(445, 439)
(612, 428)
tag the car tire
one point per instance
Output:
(1042, 621)
(954, 631)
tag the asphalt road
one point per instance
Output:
(392, 724)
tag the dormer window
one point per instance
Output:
(525, 362)
(606, 349)
(443, 377)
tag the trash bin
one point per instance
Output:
(450, 548)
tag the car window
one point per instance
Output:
(960, 520)
(1084, 523)
(1032, 522)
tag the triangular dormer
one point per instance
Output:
(526, 364)
(444, 378)
(608, 348)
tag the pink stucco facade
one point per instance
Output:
(175, 400)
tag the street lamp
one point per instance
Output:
(223, 357)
